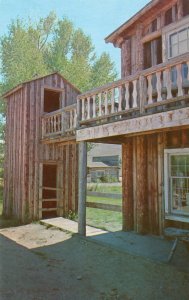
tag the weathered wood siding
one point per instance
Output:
(143, 181)
(25, 152)
(141, 31)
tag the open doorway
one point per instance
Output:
(49, 191)
(52, 100)
(104, 186)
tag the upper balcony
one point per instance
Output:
(59, 125)
(155, 91)
(149, 100)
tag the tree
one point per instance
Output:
(103, 71)
(20, 56)
(51, 44)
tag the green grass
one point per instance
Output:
(104, 219)
(104, 188)
(104, 200)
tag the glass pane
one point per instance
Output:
(183, 35)
(173, 38)
(180, 195)
(183, 47)
(180, 165)
(174, 50)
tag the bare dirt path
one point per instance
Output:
(49, 264)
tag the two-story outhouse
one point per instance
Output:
(41, 157)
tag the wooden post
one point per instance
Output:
(142, 93)
(127, 170)
(82, 188)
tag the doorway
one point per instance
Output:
(49, 191)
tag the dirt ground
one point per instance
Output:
(39, 263)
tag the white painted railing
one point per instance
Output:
(120, 96)
(59, 122)
(132, 96)
(167, 83)
(158, 85)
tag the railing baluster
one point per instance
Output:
(106, 102)
(127, 96)
(135, 93)
(100, 104)
(112, 100)
(88, 108)
(188, 70)
(120, 99)
(149, 78)
(179, 80)
(70, 119)
(168, 83)
(54, 125)
(83, 109)
(94, 106)
(75, 118)
(158, 76)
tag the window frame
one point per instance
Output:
(169, 214)
(176, 32)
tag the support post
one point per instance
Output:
(82, 188)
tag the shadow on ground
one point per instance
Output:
(83, 269)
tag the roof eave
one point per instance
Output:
(115, 35)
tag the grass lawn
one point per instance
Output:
(104, 200)
(103, 188)
(104, 219)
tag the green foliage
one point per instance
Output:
(20, 55)
(71, 215)
(30, 49)
(36, 49)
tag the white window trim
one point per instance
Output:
(168, 214)
(169, 30)
(169, 44)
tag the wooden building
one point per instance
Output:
(147, 112)
(41, 153)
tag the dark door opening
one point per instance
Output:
(49, 191)
(51, 100)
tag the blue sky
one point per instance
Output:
(98, 18)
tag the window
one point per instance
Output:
(171, 15)
(153, 53)
(186, 8)
(168, 17)
(179, 42)
(177, 182)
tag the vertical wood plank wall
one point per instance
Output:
(143, 169)
(132, 46)
(25, 152)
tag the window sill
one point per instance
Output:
(184, 219)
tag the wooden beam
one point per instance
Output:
(127, 180)
(104, 206)
(82, 188)
(141, 185)
(169, 119)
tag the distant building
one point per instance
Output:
(104, 163)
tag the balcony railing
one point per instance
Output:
(163, 87)
(59, 123)
(135, 95)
